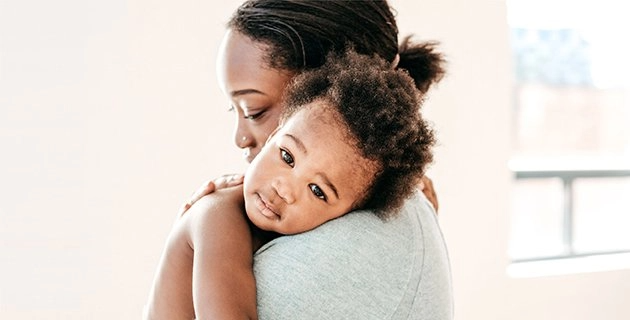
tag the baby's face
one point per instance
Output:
(306, 174)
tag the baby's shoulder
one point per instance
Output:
(228, 201)
(227, 197)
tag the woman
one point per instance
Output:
(356, 266)
(304, 176)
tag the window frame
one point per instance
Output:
(568, 177)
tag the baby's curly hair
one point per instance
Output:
(380, 107)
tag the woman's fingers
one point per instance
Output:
(210, 186)
(229, 180)
(426, 185)
(207, 187)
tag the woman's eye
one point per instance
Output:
(317, 191)
(287, 157)
(254, 116)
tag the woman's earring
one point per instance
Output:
(244, 138)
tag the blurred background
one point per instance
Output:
(110, 117)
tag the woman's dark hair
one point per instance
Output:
(380, 110)
(299, 34)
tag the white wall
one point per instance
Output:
(110, 117)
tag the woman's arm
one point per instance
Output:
(206, 268)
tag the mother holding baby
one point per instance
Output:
(356, 266)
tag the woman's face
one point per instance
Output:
(253, 89)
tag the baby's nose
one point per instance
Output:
(283, 189)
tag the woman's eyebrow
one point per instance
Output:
(297, 142)
(242, 92)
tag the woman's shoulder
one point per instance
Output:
(364, 230)
(382, 261)
(361, 235)
(404, 225)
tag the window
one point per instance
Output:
(571, 158)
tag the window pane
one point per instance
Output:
(571, 112)
(561, 121)
(537, 219)
(602, 214)
(571, 85)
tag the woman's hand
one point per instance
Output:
(210, 186)
(426, 185)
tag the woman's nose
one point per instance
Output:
(242, 137)
(284, 189)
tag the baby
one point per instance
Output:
(351, 137)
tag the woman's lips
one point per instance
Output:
(248, 156)
(265, 209)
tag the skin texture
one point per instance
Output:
(306, 175)
(211, 238)
(254, 92)
(208, 187)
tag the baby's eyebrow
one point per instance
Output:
(323, 175)
(328, 183)
(298, 143)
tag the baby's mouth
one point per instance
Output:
(264, 208)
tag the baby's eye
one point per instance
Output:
(317, 191)
(287, 157)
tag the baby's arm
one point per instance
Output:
(223, 284)
(171, 294)
(207, 262)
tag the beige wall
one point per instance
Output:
(471, 109)
(110, 117)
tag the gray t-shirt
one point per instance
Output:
(359, 267)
